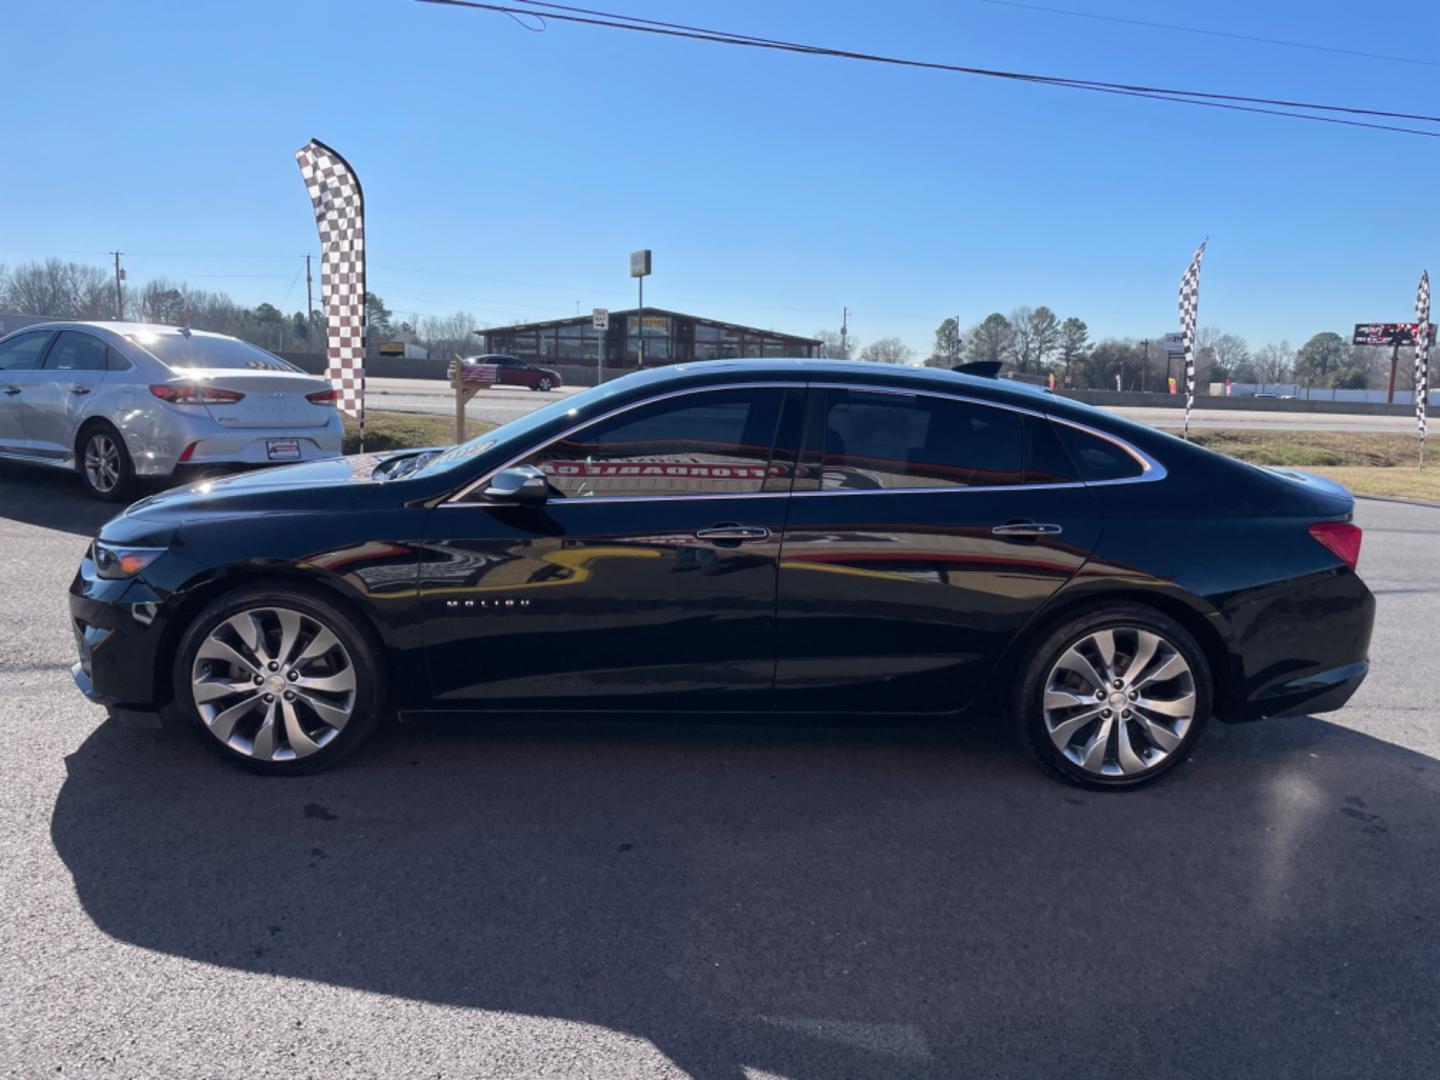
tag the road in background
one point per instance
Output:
(608, 900)
(498, 405)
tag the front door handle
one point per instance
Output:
(1026, 529)
(79, 389)
(11, 391)
(735, 534)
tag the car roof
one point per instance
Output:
(124, 329)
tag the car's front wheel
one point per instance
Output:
(545, 385)
(278, 681)
(1114, 698)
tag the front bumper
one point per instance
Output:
(118, 637)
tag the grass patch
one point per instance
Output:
(402, 431)
(1395, 483)
(1312, 449)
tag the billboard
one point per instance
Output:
(1389, 333)
(640, 263)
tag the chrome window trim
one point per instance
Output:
(455, 500)
(1150, 468)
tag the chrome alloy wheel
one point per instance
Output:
(102, 462)
(273, 684)
(1119, 701)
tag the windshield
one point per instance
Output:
(176, 350)
(518, 428)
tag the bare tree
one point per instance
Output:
(833, 346)
(1273, 362)
(59, 290)
(1022, 337)
(887, 350)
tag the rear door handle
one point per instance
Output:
(79, 389)
(12, 390)
(1026, 528)
(738, 534)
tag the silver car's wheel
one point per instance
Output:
(104, 463)
(273, 684)
(1119, 702)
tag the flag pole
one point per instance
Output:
(1189, 310)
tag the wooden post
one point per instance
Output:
(459, 400)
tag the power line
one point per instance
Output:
(1213, 33)
(1210, 99)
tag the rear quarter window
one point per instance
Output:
(1098, 459)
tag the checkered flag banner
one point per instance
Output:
(1422, 357)
(340, 217)
(1189, 309)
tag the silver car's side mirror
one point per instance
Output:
(522, 485)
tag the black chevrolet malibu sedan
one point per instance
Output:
(743, 537)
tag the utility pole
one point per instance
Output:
(844, 333)
(309, 293)
(1145, 365)
(119, 290)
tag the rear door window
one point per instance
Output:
(712, 442)
(871, 440)
(76, 351)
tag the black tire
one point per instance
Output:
(1027, 705)
(360, 649)
(106, 445)
(545, 385)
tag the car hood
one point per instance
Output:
(242, 488)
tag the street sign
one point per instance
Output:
(600, 317)
(1389, 333)
(640, 263)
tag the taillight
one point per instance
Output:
(194, 394)
(1341, 538)
(323, 397)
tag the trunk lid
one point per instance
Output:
(1318, 485)
(273, 399)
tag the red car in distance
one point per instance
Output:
(506, 371)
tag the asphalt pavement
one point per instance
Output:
(612, 900)
(499, 404)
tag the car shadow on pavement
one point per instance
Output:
(856, 902)
(53, 499)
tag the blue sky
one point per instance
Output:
(510, 173)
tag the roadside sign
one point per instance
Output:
(600, 317)
(1175, 344)
(640, 263)
(1389, 333)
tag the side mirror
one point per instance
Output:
(523, 485)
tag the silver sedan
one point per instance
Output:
(114, 401)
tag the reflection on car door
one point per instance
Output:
(923, 532)
(648, 577)
(19, 356)
(60, 393)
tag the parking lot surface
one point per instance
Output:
(612, 900)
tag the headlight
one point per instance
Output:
(113, 562)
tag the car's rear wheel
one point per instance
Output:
(104, 464)
(1114, 698)
(278, 681)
